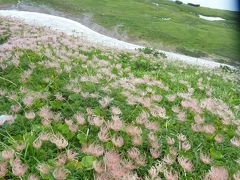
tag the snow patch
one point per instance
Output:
(208, 18)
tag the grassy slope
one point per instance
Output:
(185, 32)
(7, 2)
(170, 74)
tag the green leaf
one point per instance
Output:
(74, 97)
(74, 165)
(63, 128)
(82, 138)
(215, 154)
(109, 145)
(56, 104)
(87, 162)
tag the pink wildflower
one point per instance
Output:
(173, 151)
(60, 173)
(197, 128)
(181, 116)
(20, 146)
(3, 169)
(59, 97)
(198, 119)
(176, 109)
(191, 104)
(181, 137)
(170, 141)
(169, 159)
(111, 158)
(236, 176)
(59, 141)
(118, 141)
(153, 173)
(18, 169)
(103, 134)
(43, 168)
(93, 149)
(96, 121)
(186, 164)
(152, 126)
(104, 102)
(71, 155)
(116, 124)
(45, 113)
(37, 144)
(235, 141)
(209, 128)
(141, 161)
(133, 153)
(116, 111)
(98, 166)
(137, 140)
(205, 158)
(217, 173)
(30, 115)
(80, 119)
(15, 108)
(133, 130)
(186, 146)
(33, 177)
(142, 118)
(219, 138)
(158, 112)
(8, 154)
(171, 98)
(61, 159)
(155, 153)
(28, 100)
(128, 164)
(44, 136)
(170, 175)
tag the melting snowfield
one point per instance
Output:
(208, 18)
(74, 28)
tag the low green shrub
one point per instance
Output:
(4, 38)
(194, 5)
(153, 52)
(179, 2)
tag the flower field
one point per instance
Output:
(71, 110)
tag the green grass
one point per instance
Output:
(141, 20)
(117, 73)
(2, 2)
(27, 131)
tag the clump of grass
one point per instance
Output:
(154, 52)
(193, 53)
(72, 111)
(4, 38)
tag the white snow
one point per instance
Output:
(71, 27)
(5, 118)
(166, 19)
(208, 18)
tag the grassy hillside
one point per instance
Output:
(185, 32)
(75, 111)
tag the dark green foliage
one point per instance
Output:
(179, 2)
(194, 5)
